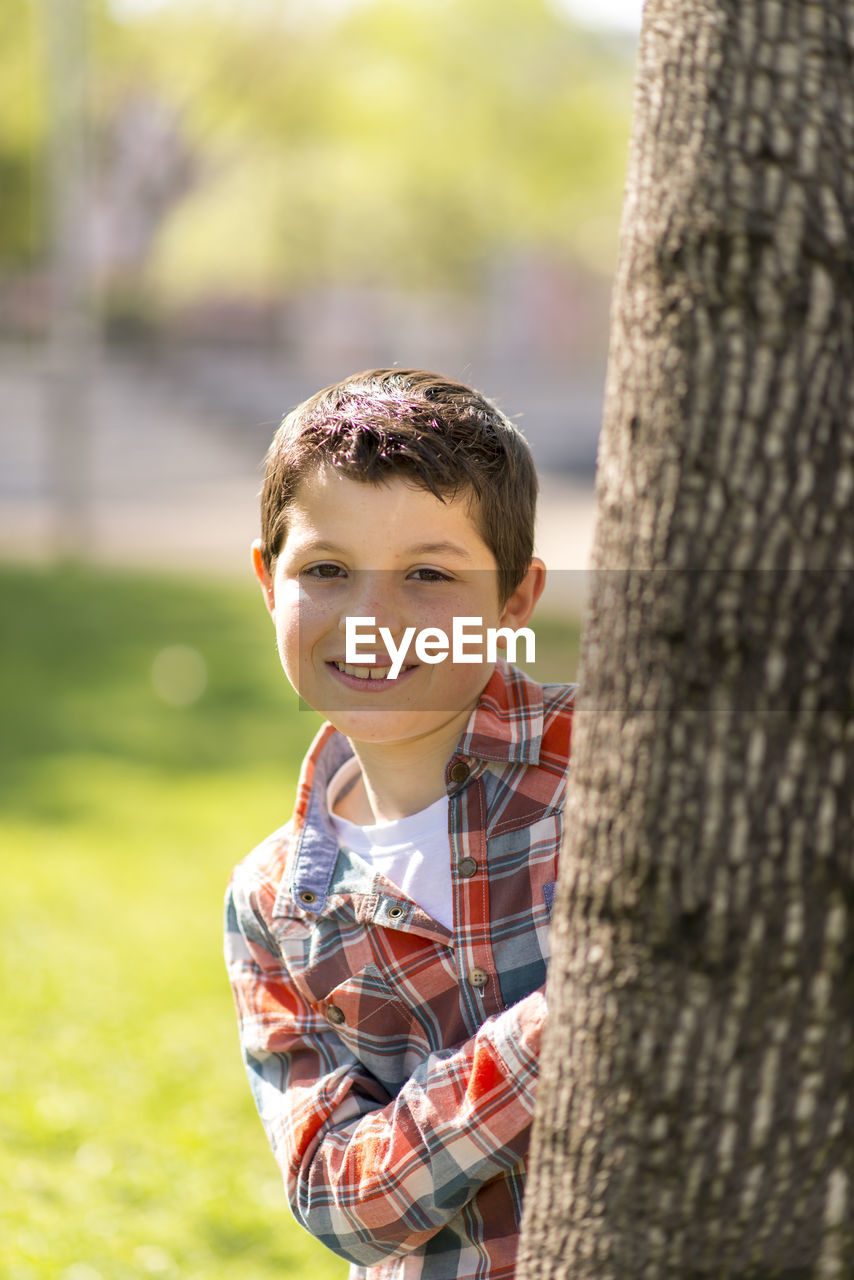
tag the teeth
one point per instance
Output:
(364, 673)
(369, 673)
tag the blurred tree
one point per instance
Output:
(389, 140)
(22, 136)
(695, 1110)
(145, 169)
(397, 140)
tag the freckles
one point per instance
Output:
(309, 611)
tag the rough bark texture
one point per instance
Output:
(697, 1097)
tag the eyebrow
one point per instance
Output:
(319, 544)
(421, 549)
(438, 548)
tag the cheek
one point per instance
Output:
(440, 612)
(480, 606)
(300, 622)
(286, 621)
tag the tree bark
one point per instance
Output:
(695, 1107)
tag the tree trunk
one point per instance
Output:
(695, 1109)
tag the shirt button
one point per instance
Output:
(335, 1015)
(478, 978)
(459, 772)
(468, 867)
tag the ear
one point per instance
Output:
(262, 573)
(521, 603)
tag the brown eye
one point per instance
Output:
(326, 572)
(430, 575)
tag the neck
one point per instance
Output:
(399, 779)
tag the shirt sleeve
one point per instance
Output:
(372, 1176)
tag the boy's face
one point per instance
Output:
(400, 555)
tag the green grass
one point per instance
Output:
(129, 1144)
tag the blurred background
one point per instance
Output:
(209, 210)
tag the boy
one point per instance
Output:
(387, 948)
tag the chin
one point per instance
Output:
(373, 726)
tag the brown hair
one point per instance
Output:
(435, 433)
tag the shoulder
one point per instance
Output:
(558, 700)
(260, 881)
(256, 882)
(265, 865)
(558, 708)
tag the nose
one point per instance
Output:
(375, 594)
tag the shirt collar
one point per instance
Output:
(507, 723)
(505, 726)
(314, 847)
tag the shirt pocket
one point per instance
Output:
(375, 1025)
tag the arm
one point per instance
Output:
(368, 1175)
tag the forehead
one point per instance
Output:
(330, 507)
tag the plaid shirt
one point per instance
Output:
(394, 1063)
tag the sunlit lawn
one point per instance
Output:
(129, 1145)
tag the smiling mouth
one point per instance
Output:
(369, 673)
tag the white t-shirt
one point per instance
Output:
(414, 853)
